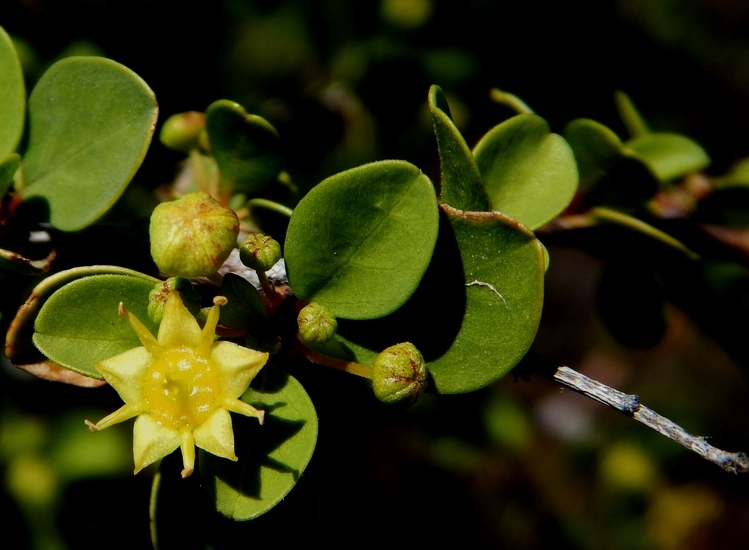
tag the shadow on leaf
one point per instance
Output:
(270, 461)
(432, 317)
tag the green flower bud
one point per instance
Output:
(193, 235)
(157, 297)
(316, 324)
(259, 251)
(180, 132)
(399, 374)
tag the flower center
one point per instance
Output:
(180, 388)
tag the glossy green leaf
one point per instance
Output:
(635, 124)
(669, 156)
(610, 173)
(737, 175)
(503, 266)
(461, 185)
(8, 166)
(510, 100)
(477, 310)
(79, 323)
(246, 148)
(621, 219)
(360, 241)
(596, 148)
(272, 457)
(529, 173)
(18, 339)
(91, 121)
(12, 96)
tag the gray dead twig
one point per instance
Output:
(630, 405)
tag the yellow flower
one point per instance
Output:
(181, 386)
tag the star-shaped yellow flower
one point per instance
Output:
(181, 386)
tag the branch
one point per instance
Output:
(630, 405)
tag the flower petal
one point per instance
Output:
(215, 435)
(187, 446)
(125, 412)
(178, 327)
(152, 441)
(126, 372)
(240, 407)
(237, 366)
(144, 335)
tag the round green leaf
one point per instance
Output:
(529, 173)
(476, 311)
(91, 121)
(79, 324)
(503, 266)
(246, 148)
(609, 172)
(596, 148)
(360, 241)
(12, 96)
(461, 185)
(669, 156)
(18, 339)
(272, 457)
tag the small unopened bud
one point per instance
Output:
(399, 374)
(157, 297)
(193, 235)
(316, 324)
(259, 251)
(181, 132)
